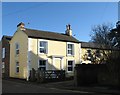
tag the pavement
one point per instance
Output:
(22, 86)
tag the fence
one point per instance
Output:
(46, 75)
(87, 74)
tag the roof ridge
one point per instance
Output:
(33, 33)
(44, 31)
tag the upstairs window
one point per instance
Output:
(3, 52)
(43, 47)
(42, 64)
(70, 49)
(17, 48)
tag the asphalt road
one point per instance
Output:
(17, 87)
(20, 86)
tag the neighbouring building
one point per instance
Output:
(42, 49)
(5, 55)
(93, 53)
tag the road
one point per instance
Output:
(17, 87)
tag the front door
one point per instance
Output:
(57, 64)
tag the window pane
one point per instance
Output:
(17, 63)
(70, 49)
(17, 67)
(17, 46)
(42, 50)
(43, 47)
(70, 52)
(70, 46)
(17, 51)
(42, 64)
(3, 53)
(3, 65)
(70, 69)
(70, 63)
(42, 44)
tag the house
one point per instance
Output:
(44, 50)
(93, 53)
(5, 55)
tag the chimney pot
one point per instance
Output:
(21, 26)
(68, 30)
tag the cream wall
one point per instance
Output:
(21, 38)
(29, 55)
(55, 49)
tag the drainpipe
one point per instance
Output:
(28, 62)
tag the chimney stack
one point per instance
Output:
(21, 26)
(68, 30)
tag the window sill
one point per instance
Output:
(69, 71)
(16, 73)
(43, 54)
(70, 55)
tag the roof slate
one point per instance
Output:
(49, 35)
(96, 46)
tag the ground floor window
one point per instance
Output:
(42, 64)
(70, 65)
(17, 67)
(3, 67)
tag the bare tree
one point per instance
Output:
(100, 33)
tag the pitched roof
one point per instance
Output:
(49, 35)
(96, 46)
(7, 37)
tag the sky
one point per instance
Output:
(54, 16)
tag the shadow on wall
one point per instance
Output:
(41, 67)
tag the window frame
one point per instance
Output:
(72, 66)
(17, 67)
(42, 47)
(3, 67)
(3, 52)
(43, 66)
(17, 50)
(69, 43)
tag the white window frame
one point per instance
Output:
(17, 49)
(73, 65)
(43, 47)
(17, 66)
(70, 49)
(3, 67)
(45, 64)
(3, 52)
